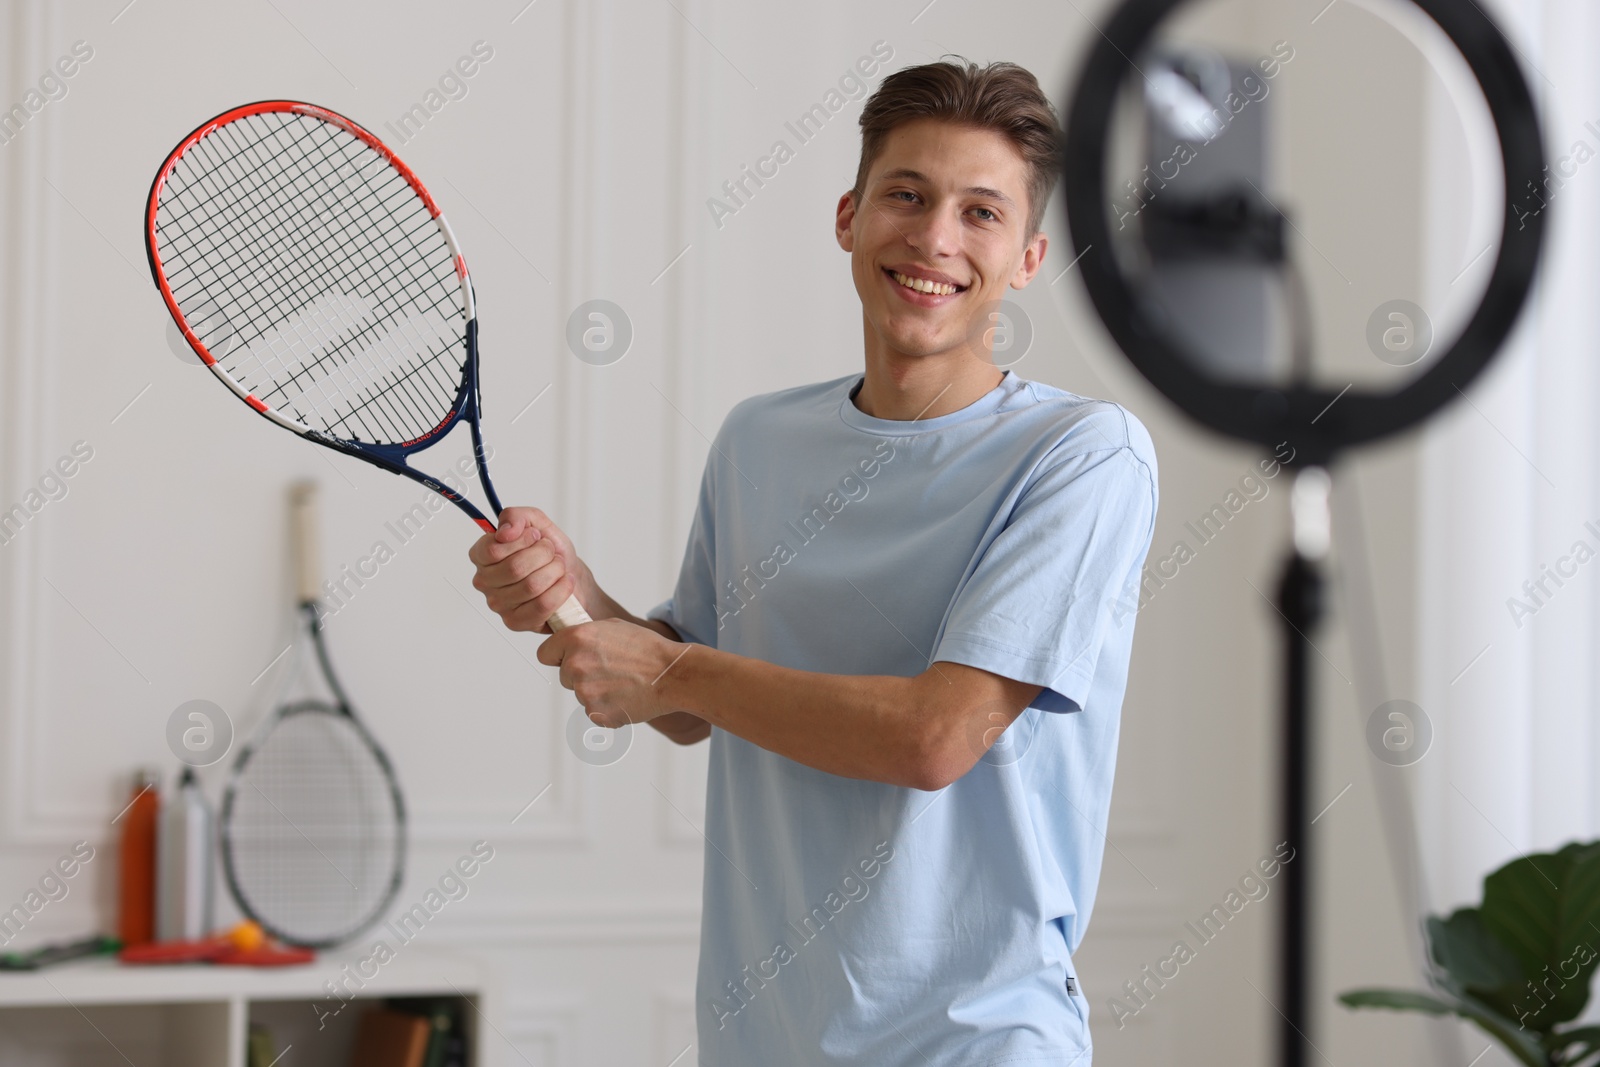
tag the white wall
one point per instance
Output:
(1511, 482)
(579, 167)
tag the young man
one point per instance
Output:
(906, 647)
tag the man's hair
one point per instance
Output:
(1002, 97)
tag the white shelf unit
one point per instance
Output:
(90, 1012)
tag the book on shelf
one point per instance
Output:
(447, 1039)
(389, 1038)
(259, 1050)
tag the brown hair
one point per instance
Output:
(1003, 97)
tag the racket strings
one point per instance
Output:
(314, 834)
(223, 211)
(225, 223)
(315, 260)
(398, 194)
(396, 186)
(285, 226)
(295, 282)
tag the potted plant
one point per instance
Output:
(1519, 966)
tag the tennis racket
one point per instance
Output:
(318, 279)
(313, 826)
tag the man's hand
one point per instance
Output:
(527, 569)
(613, 666)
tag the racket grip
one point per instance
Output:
(303, 532)
(568, 614)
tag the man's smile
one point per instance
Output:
(925, 288)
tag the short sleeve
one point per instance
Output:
(692, 608)
(1043, 597)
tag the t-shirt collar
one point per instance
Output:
(986, 404)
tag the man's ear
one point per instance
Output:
(844, 220)
(1032, 260)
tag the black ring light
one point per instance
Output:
(1264, 414)
(1306, 416)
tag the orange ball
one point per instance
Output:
(247, 936)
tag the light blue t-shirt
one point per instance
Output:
(852, 922)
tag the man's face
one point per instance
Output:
(944, 208)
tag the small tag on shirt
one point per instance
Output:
(1072, 986)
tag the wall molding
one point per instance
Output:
(32, 218)
(673, 1027)
(550, 1022)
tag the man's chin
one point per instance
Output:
(921, 346)
(918, 352)
(919, 342)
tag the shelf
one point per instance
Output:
(199, 1014)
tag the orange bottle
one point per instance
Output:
(136, 895)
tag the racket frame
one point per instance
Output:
(390, 457)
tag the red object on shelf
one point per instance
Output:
(136, 892)
(266, 956)
(243, 946)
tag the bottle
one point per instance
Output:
(136, 903)
(183, 880)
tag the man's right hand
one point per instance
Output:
(527, 568)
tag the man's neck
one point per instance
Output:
(903, 389)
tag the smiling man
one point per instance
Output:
(903, 647)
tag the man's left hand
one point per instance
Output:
(614, 667)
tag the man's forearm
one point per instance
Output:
(923, 731)
(916, 732)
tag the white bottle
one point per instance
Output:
(183, 864)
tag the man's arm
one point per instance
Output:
(528, 567)
(923, 732)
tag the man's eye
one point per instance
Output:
(905, 193)
(988, 216)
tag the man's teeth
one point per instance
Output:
(922, 285)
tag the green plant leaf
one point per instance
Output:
(1545, 908)
(1584, 1035)
(1520, 1043)
(1397, 1000)
(1476, 962)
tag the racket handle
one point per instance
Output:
(303, 533)
(569, 614)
